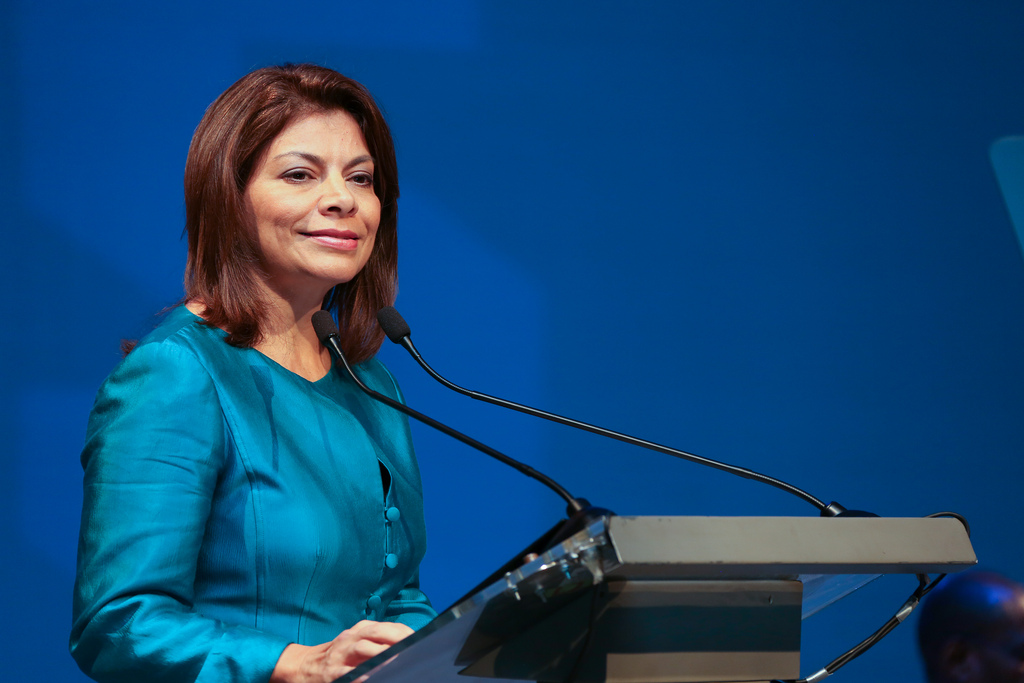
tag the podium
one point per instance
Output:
(667, 600)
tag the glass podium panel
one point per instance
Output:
(821, 590)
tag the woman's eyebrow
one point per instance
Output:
(319, 160)
(360, 160)
(313, 158)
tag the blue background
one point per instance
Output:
(767, 232)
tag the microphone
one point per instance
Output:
(398, 331)
(327, 332)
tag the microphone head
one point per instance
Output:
(323, 325)
(393, 324)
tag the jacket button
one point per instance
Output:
(391, 560)
(373, 602)
(392, 514)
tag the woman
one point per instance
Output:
(249, 515)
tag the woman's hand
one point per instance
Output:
(326, 662)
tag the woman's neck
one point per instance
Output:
(287, 336)
(291, 342)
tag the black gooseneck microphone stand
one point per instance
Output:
(398, 331)
(579, 510)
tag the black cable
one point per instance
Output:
(924, 586)
(955, 515)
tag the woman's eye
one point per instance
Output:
(363, 179)
(297, 176)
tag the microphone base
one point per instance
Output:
(835, 509)
(549, 539)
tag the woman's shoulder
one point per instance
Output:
(180, 340)
(167, 373)
(180, 327)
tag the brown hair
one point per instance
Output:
(223, 267)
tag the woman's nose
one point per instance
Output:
(336, 197)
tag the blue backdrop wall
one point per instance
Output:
(767, 232)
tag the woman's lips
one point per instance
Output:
(345, 240)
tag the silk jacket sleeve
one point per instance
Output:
(153, 449)
(411, 607)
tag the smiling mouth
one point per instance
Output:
(336, 239)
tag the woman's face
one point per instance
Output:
(313, 201)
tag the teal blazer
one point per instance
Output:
(232, 507)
